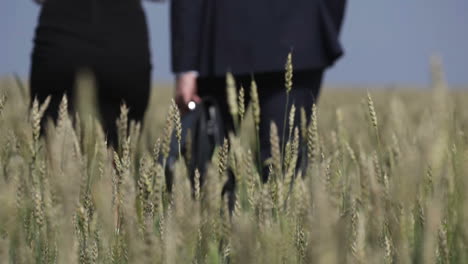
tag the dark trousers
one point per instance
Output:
(116, 84)
(110, 39)
(272, 96)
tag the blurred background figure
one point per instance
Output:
(252, 38)
(108, 37)
(392, 50)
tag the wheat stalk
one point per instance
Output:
(312, 138)
(66, 198)
(168, 130)
(223, 158)
(197, 186)
(288, 84)
(231, 92)
(122, 125)
(289, 73)
(178, 126)
(292, 164)
(3, 100)
(241, 103)
(256, 116)
(275, 151)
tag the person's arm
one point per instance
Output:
(186, 20)
(337, 11)
(186, 90)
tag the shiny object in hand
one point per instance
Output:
(192, 105)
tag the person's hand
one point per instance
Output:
(186, 90)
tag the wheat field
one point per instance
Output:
(385, 183)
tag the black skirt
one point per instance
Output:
(108, 37)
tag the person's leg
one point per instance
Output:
(50, 76)
(272, 96)
(272, 93)
(215, 89)
(117, 85)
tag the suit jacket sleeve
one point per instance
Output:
(186, 20)
(337, 11)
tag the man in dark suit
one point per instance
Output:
(253, 38)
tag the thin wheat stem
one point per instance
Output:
(285, 121)
(288, 78)
(256, 117)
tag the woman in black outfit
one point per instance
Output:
(110, 38)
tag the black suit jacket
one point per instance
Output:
(249, 36)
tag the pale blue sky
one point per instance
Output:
(386, 41)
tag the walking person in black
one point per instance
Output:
(108, 37)
(253, 37)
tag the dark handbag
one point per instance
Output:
(207, 131)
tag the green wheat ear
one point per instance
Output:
(44, 106)
(63, 113)
(312, 138)
(289, 73)
(292, 162)
(145, 194)
(3, 100)
(122, 124)
(231, 92)
(158, 187)
(275, 150)
(288, 77)
(168, 130)
(241, 103)
(35, 119)
(156, 151)
(256, 117)
(37, 113)
(197, 186)
(372, 114)
(178, 125)
(252, 178)
(292, 116)
(223, 158)
(255, 103)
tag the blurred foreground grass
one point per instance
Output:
(386, 183)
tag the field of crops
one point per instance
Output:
(385, 183)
